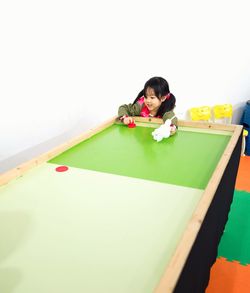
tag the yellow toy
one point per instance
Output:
(200, 113)
(245, 134)
(224, 111)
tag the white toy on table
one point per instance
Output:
(163, 131)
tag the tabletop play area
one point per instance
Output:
(115, 211)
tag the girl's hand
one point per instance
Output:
(173, 129)
(128, 120)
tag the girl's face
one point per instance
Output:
(152, 102)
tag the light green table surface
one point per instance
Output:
(85, 231)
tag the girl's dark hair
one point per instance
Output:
(161, 88)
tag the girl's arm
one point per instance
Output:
(127, 111)
(174, 124)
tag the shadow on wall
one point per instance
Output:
(13, 230)
(237, 112)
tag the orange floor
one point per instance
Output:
(243, 177)
(230, 276)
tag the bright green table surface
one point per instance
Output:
(187, 158)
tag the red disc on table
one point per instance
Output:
(62, 169)
(131, 125)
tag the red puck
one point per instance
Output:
(131, 125)
(62, 169)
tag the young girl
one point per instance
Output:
(155, 100)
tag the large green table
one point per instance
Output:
(129, 215)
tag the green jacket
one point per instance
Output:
(135, 110)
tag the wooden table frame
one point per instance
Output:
(175, 266)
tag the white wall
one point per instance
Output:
(68, 65)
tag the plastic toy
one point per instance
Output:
(132, 125)
(163, 131)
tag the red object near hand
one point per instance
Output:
(132, 125)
